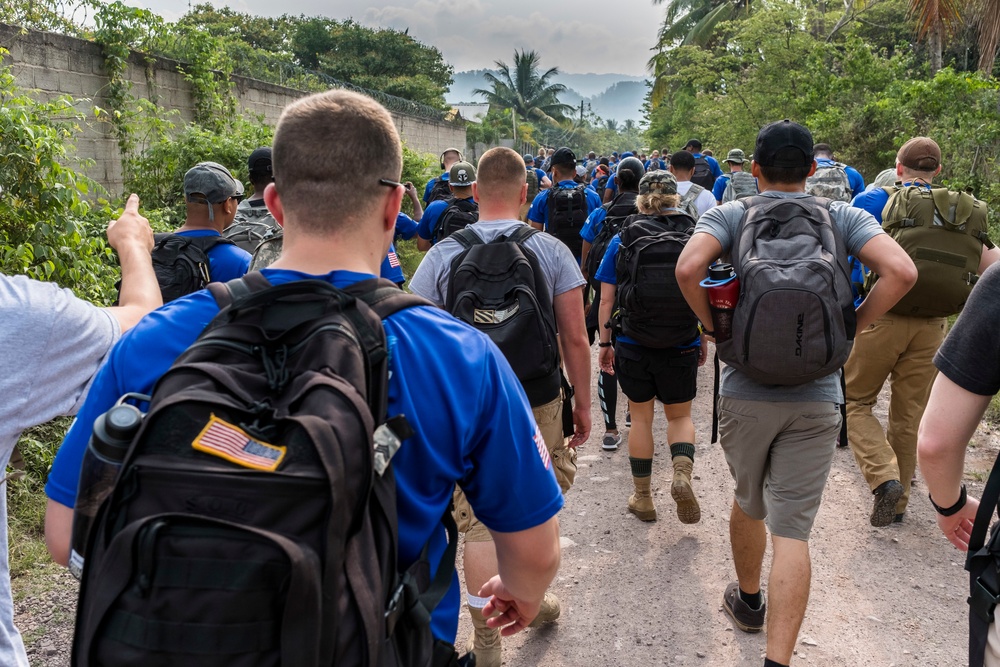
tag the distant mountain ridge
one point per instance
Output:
(617, 96)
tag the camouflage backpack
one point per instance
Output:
(688, 200)
(741, 184)
(830, 181)
(250, 227)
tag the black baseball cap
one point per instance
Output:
(563, 156)
(259, 163)
(784, 144)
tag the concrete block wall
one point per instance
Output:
(51, 65)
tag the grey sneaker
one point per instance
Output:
(745, 618)
(887, 494)
(611, 441)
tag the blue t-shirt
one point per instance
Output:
(657, 165)
(713, 164)
(391, 269)
(720, 186)
(538, 172)
(428, 222)
(592, 227)
(406, 227)
(607, 273)
(472, 422)
(854, 177)
(225, 261)
(430, 185)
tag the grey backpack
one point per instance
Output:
(250, 227)
(830, 182)
(741, 184)
(688, 200)
(795, 318)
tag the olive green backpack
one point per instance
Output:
(943, 232)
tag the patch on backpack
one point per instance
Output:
(543, 451)
(495, 316)
(229, 442)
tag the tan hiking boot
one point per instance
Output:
(641, 502)
(548, 612)
(688, 510)
(484, 641)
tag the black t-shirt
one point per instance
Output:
(970, 355)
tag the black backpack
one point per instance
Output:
(567, 213)
(181, 263)
(617, 210)
(703, 173)
(459, 214)
(250, 228)
(651, 308)
(439, 191)
(795, 319)
(498, 288)
(254, 518)
(600, 185)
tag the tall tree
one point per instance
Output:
(525, 90)
(936, 19)
(989, 34)
(693, 22)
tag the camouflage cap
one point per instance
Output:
(736, 155)
(658, 183)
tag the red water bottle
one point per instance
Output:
(723, 293)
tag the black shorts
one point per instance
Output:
(644, 373)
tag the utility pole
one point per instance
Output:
(581, 112)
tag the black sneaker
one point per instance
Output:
(628, 419)
(745, 618)
(887, 494)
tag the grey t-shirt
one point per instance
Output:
(53, 344)
(562, 273)
(970, 355)
(856, 227)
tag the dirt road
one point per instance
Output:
(650, 594)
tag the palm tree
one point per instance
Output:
(989, 34)
(693, 22)
(611, 124)
(936, 19)
(528, 93)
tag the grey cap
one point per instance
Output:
(212, 181)
(736, 155)
(462, 175)
(658, 183)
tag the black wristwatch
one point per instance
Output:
(599, 344)
(954, 509)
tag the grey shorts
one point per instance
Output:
(780, 456)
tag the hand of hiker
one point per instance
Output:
(505, 612)
(958, 527)
(606, 359)
(130, 227)
(581, 425)
(703, 350)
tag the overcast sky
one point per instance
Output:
(577, 36)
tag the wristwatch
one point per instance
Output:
(954, 509)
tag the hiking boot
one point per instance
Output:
(640, 503)
(548, 612)
(688, 510)
(745, 618)
(611, 442)
(484, 641)
(887, 494)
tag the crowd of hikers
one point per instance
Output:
(280, 440)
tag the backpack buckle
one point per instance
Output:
(393, 610)
(983, 600)
(971, 278)
(909, 222)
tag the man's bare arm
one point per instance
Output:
(58, 531)
(132, 237)
(568, 308)
(692, 267)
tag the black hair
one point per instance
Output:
(785, 175)
(695, 144)
(682, 160)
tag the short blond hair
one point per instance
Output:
(501, 175)
(329, 152)
(653, 204)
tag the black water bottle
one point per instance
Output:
(113, 433)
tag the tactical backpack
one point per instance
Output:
(254, 518)
(651, 307)
(943, 232)
(795, 319)
(831, 182)
(703, 173)
(533, 185)
(689, 200)
(499, 288)
(440, 190)
(600, 185)
(741, 185)
(567, 213)
(250, 227)
(616, 211)
(181, 263)
(459, 214)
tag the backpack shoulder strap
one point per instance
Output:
(385, 297)
(227, 292)
(523, 233)
(466, 238)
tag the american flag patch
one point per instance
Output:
(393, 260)
(233, 444)
(543, 451)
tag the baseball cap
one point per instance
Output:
(658, 182)
(259, 163)
(581, 171)
(784, 144)
(737, 156)
(563, 155)
(627, 154)
(920, 153)
(462, 175)
(528, 157)
(212, 181)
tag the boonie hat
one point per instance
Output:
(784, 144)
(658, 182)
(259, 163)
(462, 175)
(736, 155)
(885, 178)
(563, 155)
(920, 153)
